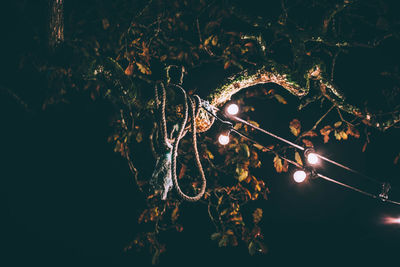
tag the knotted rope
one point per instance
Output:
(165, 168)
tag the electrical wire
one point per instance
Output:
(267, 132)
(302, 148)
(297, 164)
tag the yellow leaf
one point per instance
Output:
(280, 99)
(209, 154)
(298, 158)
(143, 69)
(337, 124)
(295, 127)
(214, 40)
(278, 164)
(338, 135)
(343, 135)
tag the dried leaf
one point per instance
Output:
(307, 143)
(325, 132)
(364, 147)
(175, 214)
(351, 130)
(295, 127)
(337, 124)
(298, 158)
(227, 65)
(257, 215)
(280, 99)
(143, 69)
(214, 40)
(129, 69)
(278, 164)
(309, 134)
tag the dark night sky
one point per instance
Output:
(68, 200)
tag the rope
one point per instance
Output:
(176, 145)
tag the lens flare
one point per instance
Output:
(312, 158)
(299, 176)
(391, 220)
(232, 109)
(223, 139)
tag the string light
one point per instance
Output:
(232, 109)
(223, 139)
(312, 157)
(299, 176)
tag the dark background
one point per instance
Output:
(68, 200)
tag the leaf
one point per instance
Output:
(351, 130)
(343, 134)
(309, 134)
(298, 158)
(325, 132)
(106, 23)
(227, 65)
(241, 173)
(244, 151)
(338, 136)
(214, 40)
(139, 137)
(257, 215)
(175, 214)
(129, 70)
(215, 236)
(285, 166)
(264, 149)
(143, 69)
(280, 99)
(307, 143)
(278, 164)
(295, 127)
(337, 124)
(364, 147)
(209, 154)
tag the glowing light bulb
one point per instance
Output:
(232, 109)
(299, 176)
(223, 139)
(312, 158)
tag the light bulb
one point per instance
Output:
(223, 139)
(312, 158)
(299, 176)
(232, 109)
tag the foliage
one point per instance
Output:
(127, 50)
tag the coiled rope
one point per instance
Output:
(165, 168)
